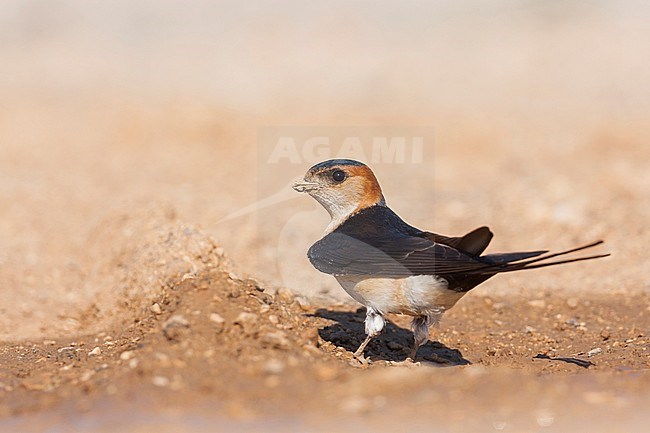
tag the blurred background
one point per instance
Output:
(118, 109)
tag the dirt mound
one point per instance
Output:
(127, 258)
(136, 255)
(202, 324)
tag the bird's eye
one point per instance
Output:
(338, 176)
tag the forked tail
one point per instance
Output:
(509, 262)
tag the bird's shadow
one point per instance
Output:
(393, 344)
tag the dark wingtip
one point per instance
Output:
(486, 230)
(476, 241)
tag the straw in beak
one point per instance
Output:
(304, 186)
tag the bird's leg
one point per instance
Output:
(420, 326)
(359, 352)
(374, 324)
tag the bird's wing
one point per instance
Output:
(389, 256)
(473, 243)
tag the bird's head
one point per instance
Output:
(343, 186)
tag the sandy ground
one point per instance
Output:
(212, 351)
(138, 198)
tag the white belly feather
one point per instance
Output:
(418, 295)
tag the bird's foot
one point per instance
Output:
(413, 353)
(433, 357)
(360, 361)
(408, 362)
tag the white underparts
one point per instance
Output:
(418, 295)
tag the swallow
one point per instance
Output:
(390, 266)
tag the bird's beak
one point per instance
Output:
(304, 186)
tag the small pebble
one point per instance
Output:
(245, 317)
(277, 340)
(175, 327)
(219, 322)
(216, 318)
(273, 366)
(247, 321)
(177, 320)
(256, 284)
(163, 359)
(161, 381)
(126, 355)
(86, 375)
(96, 351)
(155, 309)
(575, 323)
(537, 303)
(593, 352)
